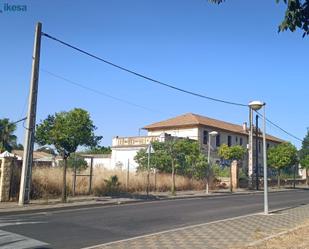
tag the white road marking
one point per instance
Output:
(15, 241)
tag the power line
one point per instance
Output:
(154, 81)
(23, 119)
(96, 91)
(141, 75)
(278, 127)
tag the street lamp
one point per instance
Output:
(257, 105)
(211, 134)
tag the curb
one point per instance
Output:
(78, 205)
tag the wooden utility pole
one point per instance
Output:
(25, 181)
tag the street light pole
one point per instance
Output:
(250, 147)
(265, 163)
(213, 133)
(257, 105)
(257, 152)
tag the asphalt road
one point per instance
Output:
(86, 227)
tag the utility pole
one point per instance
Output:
(25, 181)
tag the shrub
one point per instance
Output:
(219, 171)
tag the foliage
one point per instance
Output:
(181, 155)
(304, 162)
(199, 167)
(112, 185)
(304, 152)
(296, 15)
(66, 131)
(75, 161)
(236, 152)
(99, 150)
(7, 138)
(219, 171)
(184, 152)
(282, 155)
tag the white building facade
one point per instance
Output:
(191, 126)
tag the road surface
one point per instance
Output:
(96, 225)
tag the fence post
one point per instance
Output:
(90, 176)
(74, 178)
(128, 174)
(155, 180)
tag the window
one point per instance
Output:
(240, 141)
(205, 137)
(259, 146)
(229, 141)
(268, 145)
(218, 140)
(236, 140)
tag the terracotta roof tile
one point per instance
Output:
(191, 119)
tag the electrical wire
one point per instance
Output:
(278, 127)
(20, 120)
(97, 91)
(152, 80)
(142, 75)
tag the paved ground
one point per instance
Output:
(96, 225)
(230, 233)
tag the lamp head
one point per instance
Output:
(256, 105)
(213, 133)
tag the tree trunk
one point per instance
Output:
(307, 177)
(64, 182)
(278, 178)
(231, 182)
(173, 178)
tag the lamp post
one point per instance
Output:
(211, 134)
(257, 105)
(257, 152)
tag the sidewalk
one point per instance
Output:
(89, 201)
(230, 233)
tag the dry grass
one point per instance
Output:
(296, 239)
(47, 182)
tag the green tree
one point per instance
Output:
(304, 156)
(304, 162)
(8, 141)
(66, 131)
(296, 15)
(232, 153)
(281, 156)
(99, 150)
(75, 162)
(175, 155)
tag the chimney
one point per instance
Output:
(244, 126)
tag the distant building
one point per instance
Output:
(98, 160)
(191, 126)
(40, 158)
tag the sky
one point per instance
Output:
(232, 51)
